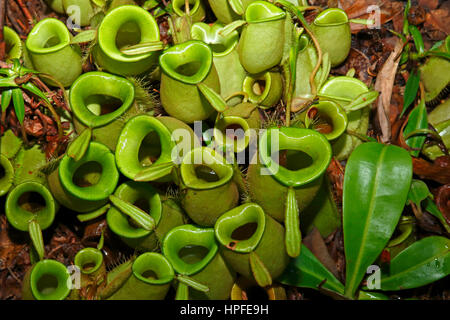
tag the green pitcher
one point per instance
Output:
(264, 89)
(209, 187)
(193, 252)
(261, 43)
(49, 49)
(225, 57)
(85, 185)
(124, 26)
(13, 44)
(249, 237)
(183, 67)
(196, 9)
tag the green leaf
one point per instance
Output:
(423, 262)
(216, 101)
(293, 237)
(418, 41)
(259, 270)
(94, 214)
(143, 48)
(412, 86)
(376, 183)
(143, 219)
(85, 36)
(306, 271)
(418, 192)
(35, 232)
(6, 99)
(192, 283)
(417, 120)
(35, 90)
(432, 208)
(367, 295)
(77, 149)
(440, 54)
(8, 83)
(19, 104)
(361, 101)
(155, 172)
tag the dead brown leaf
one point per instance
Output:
(438, 171)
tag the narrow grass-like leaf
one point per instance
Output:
(376, 184)
(418, 40)
(141, 218)
(192, 283)
(237, 7)
(143, 48)
(293, 237)
(155, 172)
(216, 101)
(101, 242)
(35, 90)
(94, 214)
(440, 54)
(8, 83)
(412, 86)
(6, 99)
(362, 101)
(306, 271)
(77, 149)
(417, 120)
(85, 36)
(19, 104)
(259, 270)
(423, 262)
(35, 232)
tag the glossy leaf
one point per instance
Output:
(143, 48)
(432, 208)
(259, 270)
(418, 192)
(216, 101)
(412, 86)
(417, 120)
(77, 149)
(143, 219)
(8, 83)
(85, 36)
(237, 7)
(376, 184)
(155, 172)
(292, 223)
(6, 99)
(361, 101)
(418, 40)
(423, 262)
(19, 104)
(440, 54)
(229, 28)
(182, 292)
(35, 90)
(35, 232)
(306, 271)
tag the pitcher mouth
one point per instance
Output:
(142, 195)
(27, 201)
(48, 36)
(239, 136)
(257, 87)
(220, 46)
(189, 62)
(179, 7)
(118, 27)
(153, 268)
(98, 98)
(241, 228)
(308, 141)
(13, 43)
(328, 118)
(137, 148)
(89, 260)
(49, 280)
(262, 11)
(189, 248)
(204, 158)
(92, 178)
